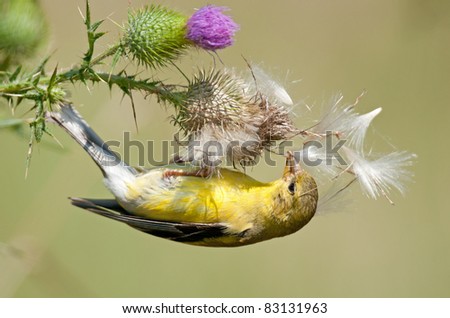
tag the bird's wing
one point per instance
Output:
(176, 231)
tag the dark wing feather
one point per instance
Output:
(176, 231)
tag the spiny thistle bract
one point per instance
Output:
(213, 98)
(155, 35)
(225, 118)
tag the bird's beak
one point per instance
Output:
(292, 166)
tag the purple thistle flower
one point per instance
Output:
(210, 29)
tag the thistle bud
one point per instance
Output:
(154, 35)
(22, 27)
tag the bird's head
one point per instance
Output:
(297, 195)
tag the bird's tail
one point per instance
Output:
(72, 122)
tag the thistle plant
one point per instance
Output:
(244, 115)
(153, 36)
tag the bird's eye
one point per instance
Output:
(291, 187)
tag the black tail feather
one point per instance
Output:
(176, 231)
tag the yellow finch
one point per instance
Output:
(180, 203)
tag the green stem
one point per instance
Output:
(166, 93)
(85, 72)
(111, 51)
(15, 89)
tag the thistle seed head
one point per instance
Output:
(213, 99)
(222, 109)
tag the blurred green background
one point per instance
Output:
(399, 51)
